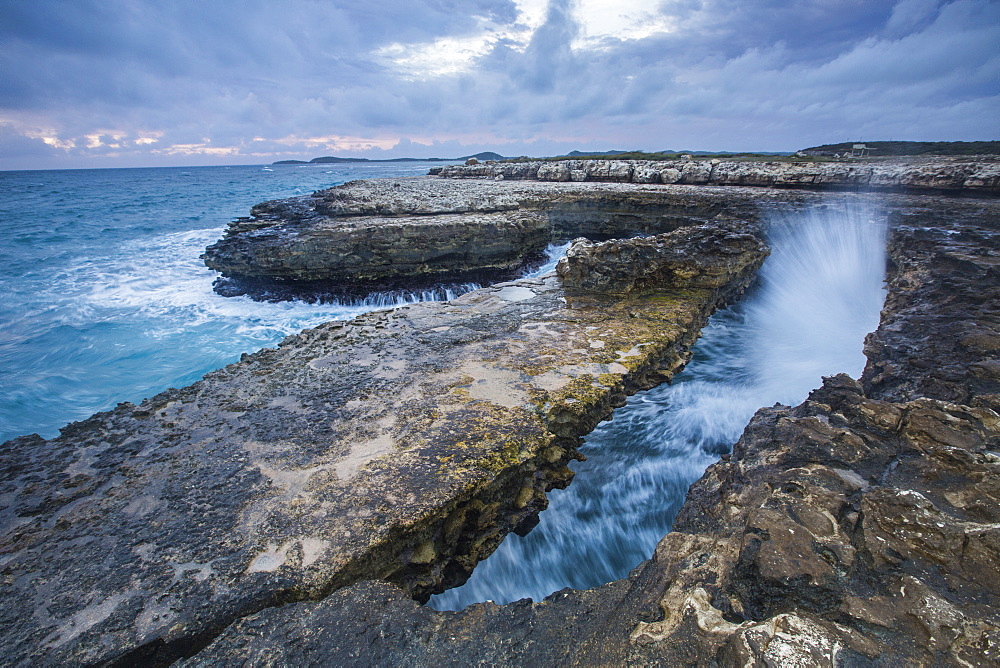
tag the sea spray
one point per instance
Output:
(819, 293)
(103, 298)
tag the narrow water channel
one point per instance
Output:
(819, 293)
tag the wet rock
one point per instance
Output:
(402, 445)
(379, 235)
(940, 336)
(858, 528)
(355, 250)
(703, 256)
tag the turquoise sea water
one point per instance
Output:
(103, 298)
(819, 293)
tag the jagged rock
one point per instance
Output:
(859, 528)
(702, 256)
(371, 235)
(974, 174)
(941, 312)
(367, 250)
(402, 445)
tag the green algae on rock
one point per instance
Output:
(858, 528)
(402, 445)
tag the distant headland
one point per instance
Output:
(872, 149)
(485, 155)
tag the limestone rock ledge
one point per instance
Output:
(702, 260)
(414, 232)
(861, 528)
(402, 446)
(980, 174)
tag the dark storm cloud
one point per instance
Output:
(146, 80)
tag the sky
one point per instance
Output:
(121, 83)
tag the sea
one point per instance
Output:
(103, 298)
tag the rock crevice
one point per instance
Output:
(402, 445)
(858, 528)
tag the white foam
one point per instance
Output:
(821, 292)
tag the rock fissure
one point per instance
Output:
(402, 446)
(856, 528)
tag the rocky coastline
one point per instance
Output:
(401, 446)
(366, 236)
(858, 528)
(293, 507)
(486, 222)
(972, 174)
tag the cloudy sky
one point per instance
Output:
(107, 83)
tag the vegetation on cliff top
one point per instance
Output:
(894, 148)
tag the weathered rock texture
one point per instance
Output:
(367, 249)
(940, 335)
(402, 445)
(707, 258)
(370, 235)
(859, 528)
(373, 234)
(980, 174)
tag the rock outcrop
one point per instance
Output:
(831, 537)
(707, 258)
(980, 174)
(387, 234)
(402, 445)
(940, 335)
(859, 528)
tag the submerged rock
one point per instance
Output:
(402, 445)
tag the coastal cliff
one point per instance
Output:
(858, 528)
(487, 222)
(365, 236)
(402, 445)
(979, 174)
(293, 507)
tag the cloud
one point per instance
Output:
(16, 146)
(153, 81)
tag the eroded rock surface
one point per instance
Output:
(402, 445)
(832, 537)
(706, 259)
(976, 174)
(415, 232)
(384, 234)
(940, 335)
(859, 528)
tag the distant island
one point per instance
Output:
(327, 159)
(872, 149)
